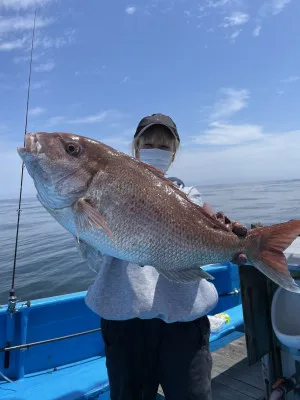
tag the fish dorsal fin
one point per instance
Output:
(211, 221)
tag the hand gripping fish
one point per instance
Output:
(120, 206)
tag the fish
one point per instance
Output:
(116, 205)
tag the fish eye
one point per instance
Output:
(73, 148)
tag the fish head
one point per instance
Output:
(61, 165)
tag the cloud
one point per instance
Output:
(108, 115)
(35, 85)
(269, 8)
(130, 10)
(35, 112)
(235, 35)
(22, 23)
(235, 19)
(249, 161)
(41, 41)
(15, 32)
(55, 120)
(290, 79)
(46, 67)
(89, 119)
(256, 31)
(38, 85)
(21, 59)
(12, 44)
(47, 42)
(217, 3)
(231, 101)
(120, 142)
(22, 4)
(279, 5)
(126, 79)
(220, 134)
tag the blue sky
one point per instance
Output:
(227, 72)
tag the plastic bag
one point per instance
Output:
(217, 321)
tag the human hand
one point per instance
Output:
(235, 227)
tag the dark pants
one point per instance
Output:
(141, 354)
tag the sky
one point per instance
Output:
(226, 71)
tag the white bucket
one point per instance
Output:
(285, 317)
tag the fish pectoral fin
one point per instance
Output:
(87, 216)
(186, 275)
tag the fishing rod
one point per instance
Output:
(12, 300)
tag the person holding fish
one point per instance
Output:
(149, 239)
(155, 331)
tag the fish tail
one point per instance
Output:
(266, 249)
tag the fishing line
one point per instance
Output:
(12, 290)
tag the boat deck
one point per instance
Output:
(232, 378)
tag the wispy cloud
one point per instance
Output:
(36, 111)
(235, 35)
(130, 10)
(187, 13)
(45, 67)
(279, 5)
(12, 44)
(38, 85)
(107, 115)
(89, 119)
(121, 142)
(26, 58)
(55, 120)
(47, 42)
(290, 79)
(231, 101)
(22, 4)
(235, 19)
(220, 134)
(272, 7)
(22, 23)
(125, 79)
(256, 31)
(268, 9)
(217, 3)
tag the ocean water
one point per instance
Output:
(48, 263)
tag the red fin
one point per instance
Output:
(89, 216)
(268, 256)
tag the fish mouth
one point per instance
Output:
(32, 146)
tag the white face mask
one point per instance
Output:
(158, 158)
